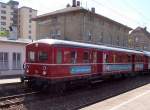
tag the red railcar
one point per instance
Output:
(54, 61)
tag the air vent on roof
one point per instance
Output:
(93, 10)
(68, 5)
(78, 3)
(73, 3)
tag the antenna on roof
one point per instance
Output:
(86, 5)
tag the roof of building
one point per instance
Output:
(27, 8)
(73, 9)
(144, 30)
(85, 45)
(12, 2)
(18, 41)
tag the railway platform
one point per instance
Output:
(10, 80)
(137, 99)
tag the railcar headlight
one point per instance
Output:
(44, 72)
(27, 71)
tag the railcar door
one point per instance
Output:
(99, 62)
(146, 63)
(133, 63)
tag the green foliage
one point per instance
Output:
(4, 33)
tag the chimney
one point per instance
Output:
(73, 3)
(93, 10)
(145, 28)
(78, 3)
(68, 5)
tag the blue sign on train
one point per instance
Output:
(80, 69)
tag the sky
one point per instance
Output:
(132, 13)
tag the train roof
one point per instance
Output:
(86, 45)
(147, 53)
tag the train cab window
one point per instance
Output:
(43, 56)
(59, 56)
(86, 57)
(73, 57)
(31, 56)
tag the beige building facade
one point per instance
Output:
(78, 24)
(26, 27)
(20, 19)
(139, 38)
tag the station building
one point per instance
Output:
(12, 56)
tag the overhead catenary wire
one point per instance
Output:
(136, 10)
(117, 13)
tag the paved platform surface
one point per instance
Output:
(137, 99)
(8, 81)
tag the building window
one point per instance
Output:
(30, 16)
(101, 37)
(16, 60)
(89, 36)
(54, 20)
(3, 23)
(3, 12)
(29, 31)
(56, 33)
(30, 21)
(3, 17)
(117, 40)
(11, 19)
(3, 5)
(3, 29)
(30, 37)
(4, 61)
(30, 10)
(12, 13)
(103, 22)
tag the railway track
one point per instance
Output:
(7, 101)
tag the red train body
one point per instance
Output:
(60, 61)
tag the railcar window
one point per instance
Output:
(129, 58)
(67, 56)
(43, 56)
(59, 56)
(114, 58)
(86, 57)
(31, 56)
(73, 56)
(106, 59)
(95, 57)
